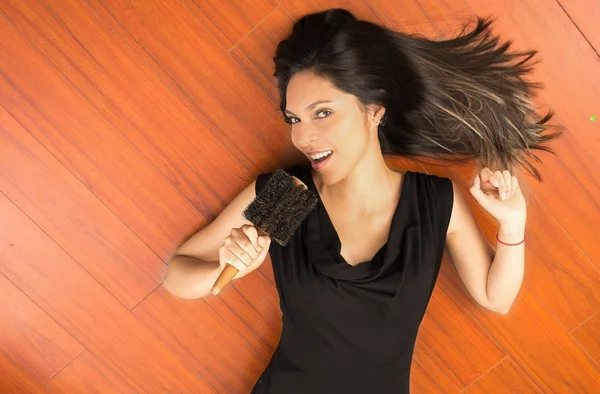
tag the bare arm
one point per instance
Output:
(194, 267)
(190, 278)
(492, 277)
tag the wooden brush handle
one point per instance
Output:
(228, 273)
(226, 276)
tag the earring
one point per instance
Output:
(383, 120)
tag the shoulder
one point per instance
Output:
(437, 189)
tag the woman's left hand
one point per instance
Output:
(503, 200)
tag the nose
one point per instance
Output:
(303, 136)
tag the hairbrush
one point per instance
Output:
(277, 211)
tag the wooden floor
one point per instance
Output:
(125, 126)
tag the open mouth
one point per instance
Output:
(322, 158)
(321, 161)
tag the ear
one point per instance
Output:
(376, 112)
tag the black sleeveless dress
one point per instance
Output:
(352, 329)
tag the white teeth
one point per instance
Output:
(319, 155)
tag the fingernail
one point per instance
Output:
(258, 249)
(504, 195)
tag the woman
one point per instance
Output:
(355, 279)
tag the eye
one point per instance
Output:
(323, 111)
(291, 120)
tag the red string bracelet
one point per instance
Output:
(504, 243)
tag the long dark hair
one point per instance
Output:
(458, 99)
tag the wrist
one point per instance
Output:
(511, 234)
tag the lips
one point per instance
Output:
(320, 164)
(311, 155)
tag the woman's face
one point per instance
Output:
(325, 119)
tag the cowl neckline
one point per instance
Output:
(324, 245)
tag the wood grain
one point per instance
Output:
(361, 9)
(587, 336)
(69, 294)
(435, 12)
(204, 340)
(127, 89)
(426, 377)
(71, 215)
(14, 379)
(34, 341)
(506, 377)
(230, 21)
(89, 145)
(535, 340)
(468, 350)
(255, 52)
(87, 374)
(251, 306)
(585, 15)
(238, 111)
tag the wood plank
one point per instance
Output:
(251, 305)
(134, 98)
(438, 30)
(87, 374)
(91, 147)
(572, 174)
(533, 338)
(203, 339)
(255, 52)
(551, 256)
(230, 21)
(585, 14)
(364, 10)
(455, 342)
(222, 95)
(72, 297)
(506, 377)
(73, 217)
(426, 377)
(407, 12)
(587, 336)
(30, 337)
(14, 379)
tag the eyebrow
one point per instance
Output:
(311, 106)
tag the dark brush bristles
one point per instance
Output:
(280, 207)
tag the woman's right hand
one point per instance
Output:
(244, 249)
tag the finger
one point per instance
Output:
(476, 191)
(485, 175)
(236, 251)
(515, 184)
(252, 234)
(261, 257)
(227, 257)
(264, 241)
(507, 183)
(243, 243)
(501, 186)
